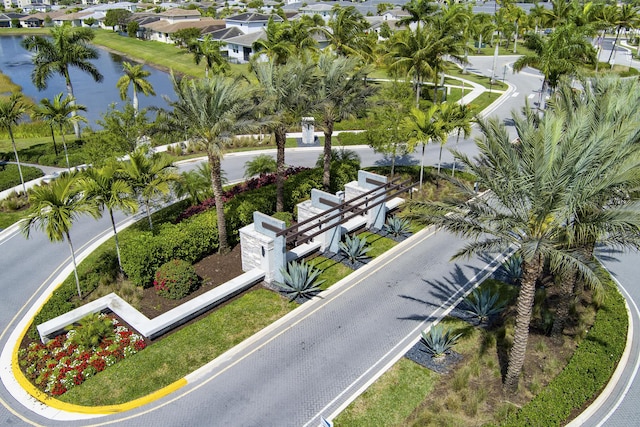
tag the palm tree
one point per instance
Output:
(419, 11)
(482, 27)
(68, 47)
(195, 184)
(54, 208)
(149, 175)
(260, 164)
(107, 189)
(455, 118)
(277, 45)
(285, 94)
(626, 16)
(425, 127)
(11, 111)
(561, 53)
(136, 77)
(346, 32)
(214, 110)
(537, 16)
(61, 113)
(209, 50)
(341, 92)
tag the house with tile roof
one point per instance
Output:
(240, 48)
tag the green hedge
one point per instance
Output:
(44, 154)
(588, 371)
(191, 240)
(10, 177)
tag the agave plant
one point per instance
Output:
(354, 248)
(397, 226)
(513, 268)
(300, 280)
(438, 341)
(483, 305)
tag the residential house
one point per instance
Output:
(240, 48)
(7, 19)
(251, 22)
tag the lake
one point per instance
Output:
(16, 63)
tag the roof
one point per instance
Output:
(253, 17)
(205, 24)
(180, 12)
(247, 39)
(318, 7)
(72, 16)
(42, 15)
(224, 33)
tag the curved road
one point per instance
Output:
(284, 378)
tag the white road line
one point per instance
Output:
(515, 94)
(531, 96)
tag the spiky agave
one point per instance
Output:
(483, 304)
(397, 226)
(439, 341)
(300, 280)
(354, 248)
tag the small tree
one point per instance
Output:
(11, 111)
(54, 208)
(186, 36)
(117, 17)
(132, 29)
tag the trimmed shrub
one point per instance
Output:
(191, 240)
(92, 329)
(287, 217)
(176, 279)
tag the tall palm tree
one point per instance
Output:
(419, 11)
(68, 47)
(209, 50)
(285, 94)
(341, 93)
(561, 53)
(425, 127)
(136, 77)
(150, 176)
(214, 110)
(482, 27)
(278, 45)
(61, 113)
(346, 32)
(536, 188)
(108, 190)
(11, 111)
(626, 16)
(195, 184)
(54, 208)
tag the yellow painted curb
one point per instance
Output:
(97, 410)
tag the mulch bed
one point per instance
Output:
(214, 270)
(442, 365)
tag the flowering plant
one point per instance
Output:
(59, 365)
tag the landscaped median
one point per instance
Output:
(404, 394)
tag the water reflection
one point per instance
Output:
(16, 63)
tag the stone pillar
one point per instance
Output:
(307, 131)
(333, 231)
(367, 181)
(261, 248)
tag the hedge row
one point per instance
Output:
(10, 177)
(588, 371)
(44, 154)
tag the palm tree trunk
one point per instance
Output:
(326, 175)
(146, 204)
(440, 158)
(422, 164)
(76, 125)
(418, 89)
(568, 280)
(15, 152)
(524, 305)
(115, 236)
(280, 134)
(479, 44)
(134, 101)
(75, 266)
(53, 137)
(216, 183)
(615, 42)
(453, 170)
(393, 160)
(64, 145)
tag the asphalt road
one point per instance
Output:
(313, 366)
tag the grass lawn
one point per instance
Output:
(484, 100)
(182, 352)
